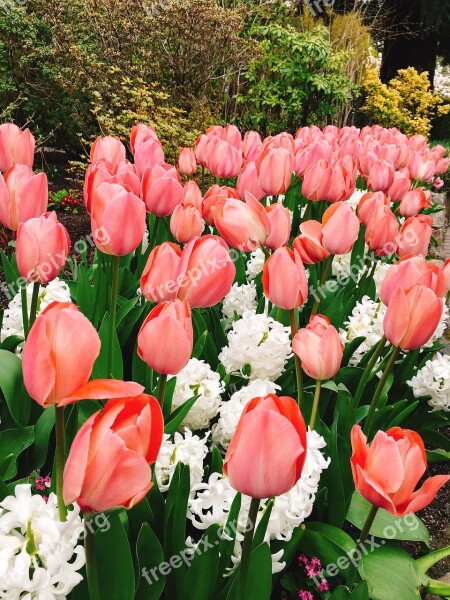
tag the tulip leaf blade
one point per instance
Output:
(179, 414)
(12, 386)
(149, 556)
(259, 576)
(409, 528)
(330, 544)
(201, 576)
(100, 370)
(14, 441)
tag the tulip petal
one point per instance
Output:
(423, 496)
(39, 373)
(75, 468)
(396, 319)
(384, 463)
(102, 389)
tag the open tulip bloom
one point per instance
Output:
(183, 403)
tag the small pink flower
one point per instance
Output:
(323, 586)
(305, 595)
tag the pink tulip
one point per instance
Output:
(248, 182)
(369, 204)
(251, 146)
(222, 158)
(159, 278)
(421, 168)
(284, 279)
(280, 226)
(382, 231)
(442, 166)
(187, 165)
(316, 181)
(446, 271)
(275, 167)
(340, 228)
(192, 195)
(309, 243)
(242, 224)
(415, 236)
(400, 187)
(387, 472)
(342, 181)
(139, 135)
(206, 271)
(59, 356)
(23, 195)
(16, 147)
(212, 197)
(108, 148)
(412, 317)
(110, 457)
(165, 340)
(381, 176)
(200, 149)
(42, 248)
(161, 190)
(319, 348)
(186, 223)
(414, 201)
(281, 140)
(123, 173)
(410, 271)
(117, 219)
(148, 155)
(256, 464)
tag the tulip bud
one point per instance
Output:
(187, 165)
(108, 148)
(275, 167)
(280, 226)
(316, 181)
(186, 223)
(284, 279)
(415, 236)
(309, 243)
(340, 228)
(159, 278)
(192, 195)
(381, 176)
(23, 195)
(382, 231)
(161, 190)
(319, 348)
(414, 201)
(16, 147)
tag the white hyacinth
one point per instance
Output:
(185, 448)
(230, 411)
(255, 264)
(39, 555)
(433, 380)
(365, 321)
(197, 378)
(260, 343)
(240, 299)
(211, 501)
(354, 199)
(55, 291)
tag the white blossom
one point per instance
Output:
(255, 264)
(39, 555)
(197, 378)
(260, 343)
(240, 299)
(433, 380)
(365, 321)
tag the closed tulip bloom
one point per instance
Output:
(108, 148)
(342, 181)
(251, 146)
(387, 472)
(382, 231)
(16, 147)
(161, 190)
(42, 248)
(410, 271)
(159, 278)
(165, 340)
(414, 201)
(446, 271)
(110, 457)
(381, 176)
(212, 197)
(280, 226)
(149, 154)
(369, 204)
(256, 463)
(23, 195)
(117, 219)
(284, 279)
(316, 181)
(340, 228)
(206, 272)
(123, 173)
(412, 317)
(186, 223)
(140, 134)
(192, 195)
(248, 181)
(200, 149)
(187, 164)
(309, 243)
(223, 159)
(421, 168)
(400, 186)
(442, 166)
(59, 356)
(275, 167)
(242, 224)
(319, 348)
(415, 236)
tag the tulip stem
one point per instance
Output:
(60, 460)
(298, 364)
(368, 524)
(91, 564)
(379, 390)
(368, 370)
(24, 299)
(315, 408)
(112, 329)
(34, 304)
(247, 548)
(325, 275)
(162, 389)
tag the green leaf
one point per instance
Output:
(179, 414)
(259, 576)
(391, 573)
(101, 369)
(226, 546)
(149, 555)
(11, 384)
(114, 562)
(426, 562)
(387, 526)
(14, 441)
(329, 543)
(43, 429)
(201, 576)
